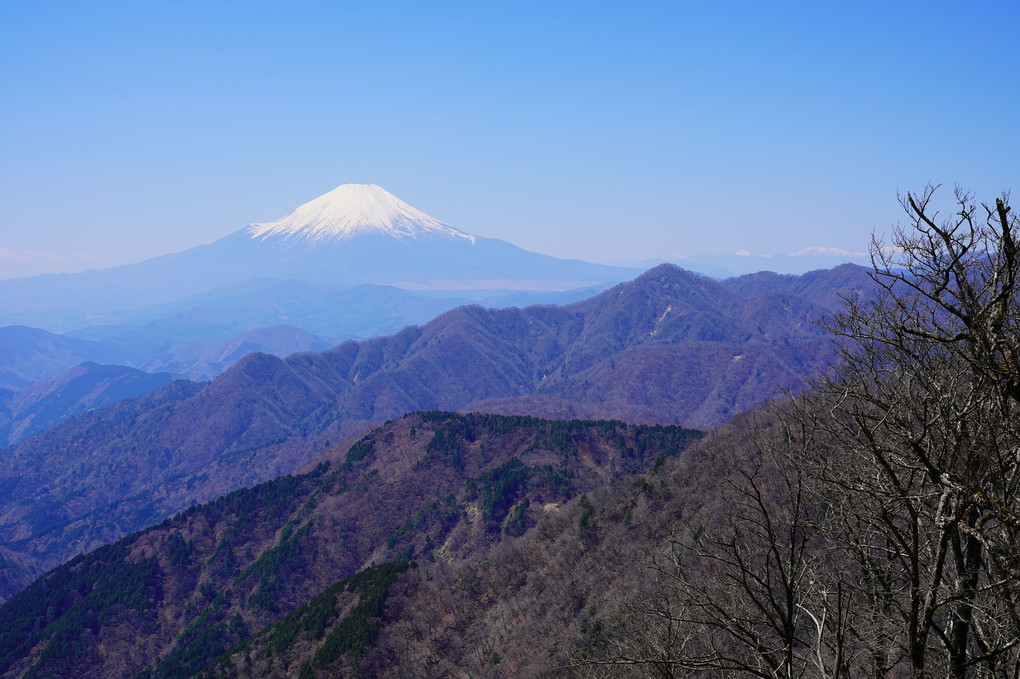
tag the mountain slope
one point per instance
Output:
(431, 485)
(220, 314)
(668, 347)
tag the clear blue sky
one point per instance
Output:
(601, 131)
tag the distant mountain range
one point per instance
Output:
(670, 346)
(743, 263)
(206, 360)
(354, 263)
(354, 235)
(200, 342)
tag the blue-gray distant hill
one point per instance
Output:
(40, 405)
(31, 355)
(360, 312)
(206, 360)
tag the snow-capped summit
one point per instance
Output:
(355, 209)
(827, 252)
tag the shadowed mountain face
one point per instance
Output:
(41, 395)
(168, 601)
(669, 347)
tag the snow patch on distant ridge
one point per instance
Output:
(355, 209)
(827, 252)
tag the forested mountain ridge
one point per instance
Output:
(669, 346)
(431, 486)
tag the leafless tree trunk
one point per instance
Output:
(920, 449)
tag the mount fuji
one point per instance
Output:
(351, 210)
(353, 235)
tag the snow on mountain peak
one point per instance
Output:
(827, 252)
(355, 209)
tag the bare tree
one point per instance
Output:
(917, 446)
